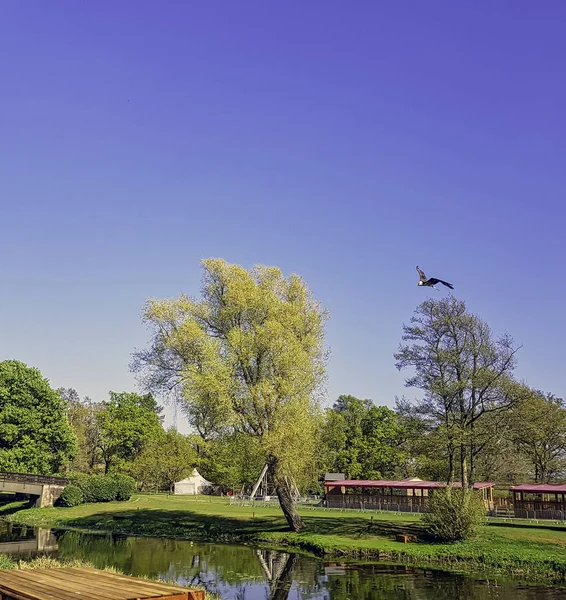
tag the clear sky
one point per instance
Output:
(343, 141)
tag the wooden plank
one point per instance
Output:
(107, 589)
(21, 590)
(54, 580)
(38, 585)
(157, 587)
(73, 583)
(109, 574)
(100, 581)
(120, 588)
(91, 584)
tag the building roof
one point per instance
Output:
(333, 476)
(411, 485)
(540, 488)
(194, 477)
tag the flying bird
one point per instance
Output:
(432, 281)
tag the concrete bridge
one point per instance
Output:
(45, 488)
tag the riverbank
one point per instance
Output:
(520, 549)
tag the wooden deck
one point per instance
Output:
(71, 583)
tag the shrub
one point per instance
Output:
(124, 485)
(454, 514)
(95, 488)
(84, 482)
(80, 480)
(72, 495)
(104, 488)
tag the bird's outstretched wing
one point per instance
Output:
(421, 274)
(434, 281)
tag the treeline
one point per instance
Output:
(356, 437)
(55, 431)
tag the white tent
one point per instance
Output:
(194, 484)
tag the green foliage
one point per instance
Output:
(35, 436)
(249, 355)
(79, 479)
(538, 431)
(363, 440)
(166, 459)
(234, 460)
(128, 423)
(7, 562)
(72, 495)
(82, 416)
(454, 514)
(103, 488)
(100, 488)
(124, 486)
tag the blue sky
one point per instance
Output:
(345, 142)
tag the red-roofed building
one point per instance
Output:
(539, 500)
(410, 495)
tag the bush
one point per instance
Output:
(72, 495)
(101, 488)
(104, 488)
(80, 480)
(87, 485)
(454, 514)
(124, 485)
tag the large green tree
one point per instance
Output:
(233, 460)
(465, 375)
(82, 416)
(35, 436)
(166, 459)
(250, 350)
(128, 423)
(363, 440)
(538, 430)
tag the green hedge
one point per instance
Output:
(72, 495)
(100, 488)
(125, 486)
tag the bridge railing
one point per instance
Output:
(33, 479)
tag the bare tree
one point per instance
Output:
(465, 375)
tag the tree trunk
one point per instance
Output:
(472, 448)
(450, 465)
(464, 467)
(283, 490)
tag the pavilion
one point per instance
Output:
(410, 495)
(539, 500)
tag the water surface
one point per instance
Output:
(245, 573)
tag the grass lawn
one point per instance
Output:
(519, 548)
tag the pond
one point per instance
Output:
(245, 573)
